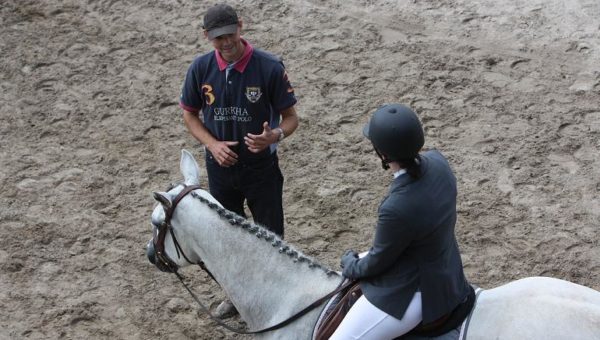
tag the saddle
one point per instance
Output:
(334, 315)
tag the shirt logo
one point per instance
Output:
(231, 114)
(253, 94)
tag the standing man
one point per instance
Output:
(238, 102)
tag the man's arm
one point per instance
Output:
(289, 123)
(219, 149)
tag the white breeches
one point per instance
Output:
(365, 321)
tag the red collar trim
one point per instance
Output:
(241, 64)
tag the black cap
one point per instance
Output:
(219, 20)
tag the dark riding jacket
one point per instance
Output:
(414, 246)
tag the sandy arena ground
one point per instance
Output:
(89, 125)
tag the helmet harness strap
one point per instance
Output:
(385, 163)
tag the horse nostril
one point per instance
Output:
(151, 253)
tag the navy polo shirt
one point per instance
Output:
(238, 101)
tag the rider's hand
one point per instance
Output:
(348, 257)
(257, 143)
(222, 152)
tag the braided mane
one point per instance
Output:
(261, 232)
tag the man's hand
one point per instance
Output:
(222, 153)
(220, 150)
(257, 143)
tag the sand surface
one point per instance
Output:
(89, 126)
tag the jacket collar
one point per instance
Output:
(405, 179)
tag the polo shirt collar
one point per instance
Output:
(239, 65)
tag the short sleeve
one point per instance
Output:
(283, 92)
(191, 98)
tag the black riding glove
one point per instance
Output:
(348, 257)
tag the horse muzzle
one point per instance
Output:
(162, 263)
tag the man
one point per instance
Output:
(247, 106)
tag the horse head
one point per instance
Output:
(164, 250)
(266, 278)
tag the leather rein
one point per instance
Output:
(158, 241)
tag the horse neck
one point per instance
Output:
(267, 279)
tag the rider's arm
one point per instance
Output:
(392, 236)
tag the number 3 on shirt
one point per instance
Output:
(210, 97)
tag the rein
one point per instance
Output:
(159, 246)
(281, 324)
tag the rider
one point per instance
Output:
(413, 272)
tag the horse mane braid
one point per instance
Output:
(262, 233)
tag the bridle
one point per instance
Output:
(158, 241)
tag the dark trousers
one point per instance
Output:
(259, 182)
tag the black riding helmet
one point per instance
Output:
(395, 132)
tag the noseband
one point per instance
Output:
(158, 239)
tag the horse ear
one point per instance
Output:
(164, 199)
(189, 168)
